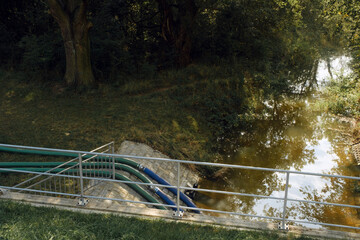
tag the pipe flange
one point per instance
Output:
(154, 188)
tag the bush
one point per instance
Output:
(344, 96)
(43, 56)
(7, 45)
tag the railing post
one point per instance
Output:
(113, 159)
(82, 201)
(283, 225)
(178, 212)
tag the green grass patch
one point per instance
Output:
(21, 221)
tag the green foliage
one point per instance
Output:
(277, 42)
(343, 21)
(42, 56)
(19, 19)
(344, 96)
(7, 45)
(222, 102)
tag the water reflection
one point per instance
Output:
(289, 136)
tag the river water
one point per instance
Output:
(295, 136)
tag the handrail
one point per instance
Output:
(181, 161)
(74, 159)
(283, 219)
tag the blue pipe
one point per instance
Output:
(153, 175)
(160, 180)
(166, 199)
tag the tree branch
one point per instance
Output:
(58, 12)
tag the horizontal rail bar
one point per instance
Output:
(35, 177)
(50, 177)
(184, 188)
(87, 178)
(184, 207)
(231, 193)
(268, 197)
(74, 159)
(230, 213)
(324, 224)
(86, 196)
(40, 191)
(130, 201)
(187, 188)
(182, 161)
(155, 204)
(323, 203)
(273, 218)
(39, 173)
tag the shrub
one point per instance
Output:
(344, 96)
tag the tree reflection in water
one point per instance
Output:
(287, 135)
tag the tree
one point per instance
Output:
(72, 19)
(176, 25)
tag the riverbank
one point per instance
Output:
(342, 97)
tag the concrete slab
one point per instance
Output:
(166, 170)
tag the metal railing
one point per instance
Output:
(80, 178)
(64, 182)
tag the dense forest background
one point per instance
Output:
(276, 42)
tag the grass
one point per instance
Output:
(170, 113)
(21, 221)
(45, 116)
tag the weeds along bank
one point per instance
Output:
(343, 99)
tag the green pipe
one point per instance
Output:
(30, 151)
(130, 168)
(55, 164)
(118, 176)
(41, 165)
(32, 164)
(65, 154)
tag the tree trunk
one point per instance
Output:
(71, 17)
(328, 65)
(178, 32)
